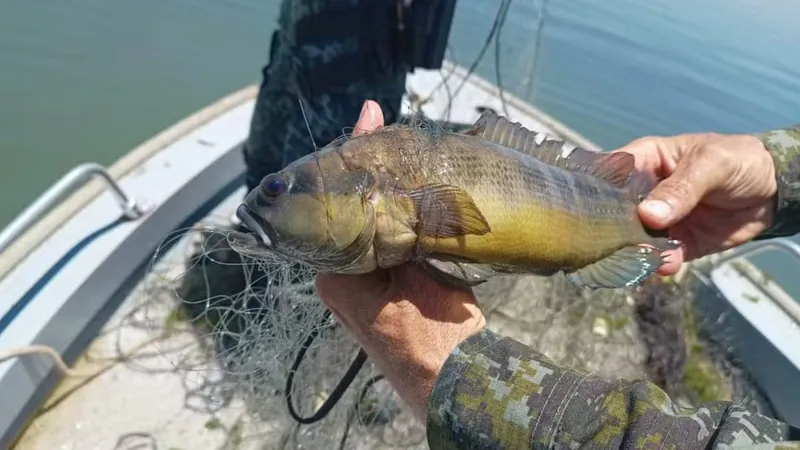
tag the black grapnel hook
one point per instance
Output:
(337, 393)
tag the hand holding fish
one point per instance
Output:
(407, 322)
(717, 191)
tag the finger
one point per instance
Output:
(674, 198)
(345, 292)
(673, 260)
(370, 119)
(646, 153)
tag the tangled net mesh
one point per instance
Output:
(249, 317)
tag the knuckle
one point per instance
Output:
(681, 188)
(721, 157)
(711, 136)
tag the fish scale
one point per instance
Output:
(542, 190)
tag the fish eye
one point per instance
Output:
(273, 186)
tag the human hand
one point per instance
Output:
(406, 322)
(716, 191)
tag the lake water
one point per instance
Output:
(86, 80)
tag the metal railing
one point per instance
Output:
(777, 294)
(68, 183)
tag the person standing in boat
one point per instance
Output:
(325, 58)
(476, 389)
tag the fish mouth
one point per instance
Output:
(257, 225)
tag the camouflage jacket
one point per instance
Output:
(784, 145)
(496, 393)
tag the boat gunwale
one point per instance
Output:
(75, 202)
(36, 378)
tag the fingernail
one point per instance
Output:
(657, 208)
(364, 108)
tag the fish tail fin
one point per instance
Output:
(627, 266)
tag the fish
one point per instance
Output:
(494, 199)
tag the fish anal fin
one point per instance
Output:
(447, 211)
(628, 266)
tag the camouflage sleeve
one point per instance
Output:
(784, 145)
(496, 393)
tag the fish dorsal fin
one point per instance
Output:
(552, 150)
(495, 128)
(615, 168)
(619, 169)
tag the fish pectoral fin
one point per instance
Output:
(627, 266)
(447, 211)
(458, 273)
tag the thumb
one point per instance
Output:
(344, 290)
(676, 196)
(370, 118)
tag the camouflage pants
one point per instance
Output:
(332, 54)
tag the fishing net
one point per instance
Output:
(251, 317)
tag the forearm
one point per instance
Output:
(784, 146)
(496, 393)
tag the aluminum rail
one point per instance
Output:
(72, 180)
(786, 302)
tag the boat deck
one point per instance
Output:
(145, 396)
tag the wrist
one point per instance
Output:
(783, 147)
(412, 360)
